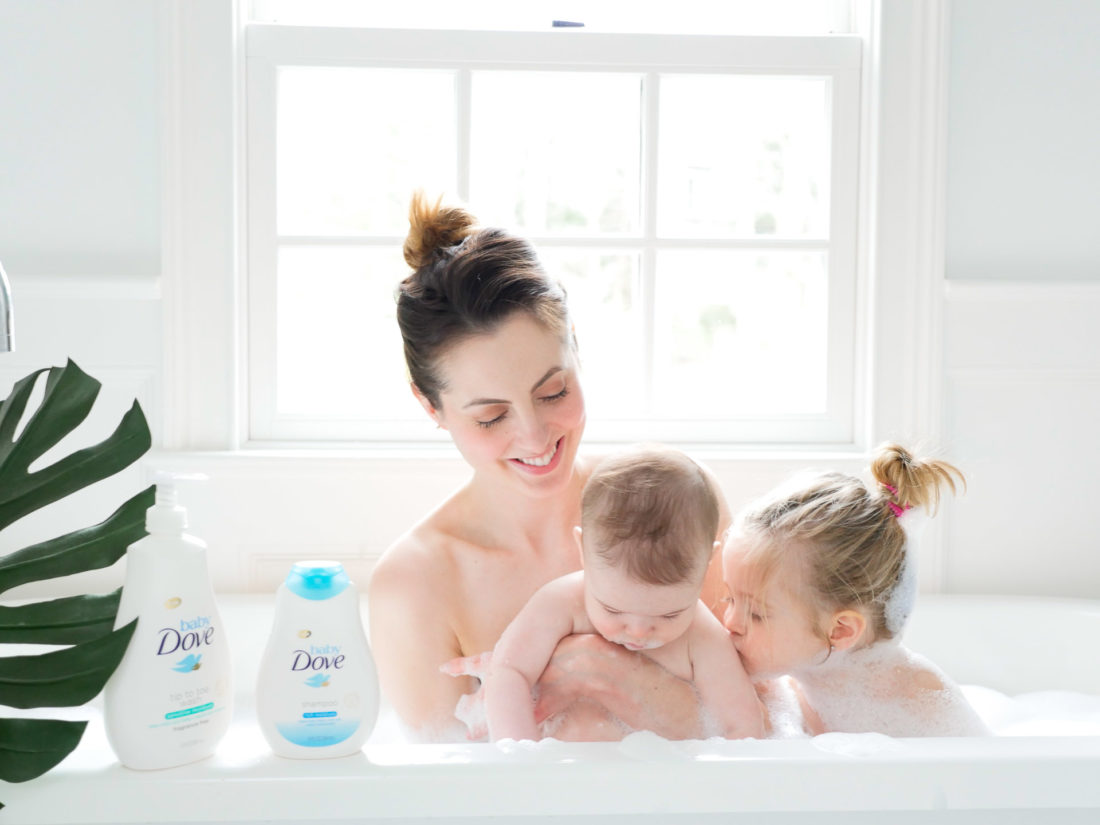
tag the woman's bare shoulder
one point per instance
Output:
(416, 561)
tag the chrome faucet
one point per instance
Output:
(7, 328)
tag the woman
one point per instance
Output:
(492, 359)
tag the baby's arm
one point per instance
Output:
(522, 653)
(725, 690)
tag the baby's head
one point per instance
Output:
(648, 522)
(820, 563)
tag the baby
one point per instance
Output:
(648, 521)
(822, 577)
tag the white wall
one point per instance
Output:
(79, 236)
(80, 142)
(1021, 342)
(80, 220)
(1023, 173)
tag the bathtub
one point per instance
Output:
(1005, 644)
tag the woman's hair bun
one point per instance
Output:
(433, 227)
(918, 481)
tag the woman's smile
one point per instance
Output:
(544, 463)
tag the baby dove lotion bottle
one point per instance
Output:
(170, 700)
(317, 692)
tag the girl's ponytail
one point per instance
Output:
(908, 481)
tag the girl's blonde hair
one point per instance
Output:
(846, 538)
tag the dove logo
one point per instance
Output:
(318, 680)
(190, 634)
(318, 657)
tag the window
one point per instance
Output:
(697, 196)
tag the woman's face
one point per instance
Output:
(772, 628)
(513, 404)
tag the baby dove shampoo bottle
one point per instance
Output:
(170, 700)
(317, 693)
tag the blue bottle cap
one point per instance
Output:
(317, 580)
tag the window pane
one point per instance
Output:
(743, 156)
(353, 143)
(603, 301)
(740, 333)
(556, 152)
(339, 350)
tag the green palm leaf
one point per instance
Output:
(30, 747)
(67, 621)
(62, 678)
(71, 675)
(88, 549)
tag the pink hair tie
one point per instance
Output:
(897, 509)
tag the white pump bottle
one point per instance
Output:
(170, 700)
(317, 693)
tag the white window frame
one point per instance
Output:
(836, 58)
(899, 265)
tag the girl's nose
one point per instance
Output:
(733, 618)
(637, 627)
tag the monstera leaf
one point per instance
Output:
(73, 674)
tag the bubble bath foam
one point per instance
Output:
(317, 691)
(170, 700)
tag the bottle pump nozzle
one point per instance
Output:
(166, 516)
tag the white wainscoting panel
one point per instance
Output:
(1022, 412)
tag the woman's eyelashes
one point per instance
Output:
(487, 424)
(546, 399)
(558, 396)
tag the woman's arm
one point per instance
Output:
(410, 642)
(631, 686)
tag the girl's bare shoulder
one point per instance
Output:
(915, 676)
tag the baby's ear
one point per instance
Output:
(846, 629)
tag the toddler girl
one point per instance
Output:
(822, 577)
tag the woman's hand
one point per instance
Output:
(470, 709)
(588, 670)
(630, 686)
